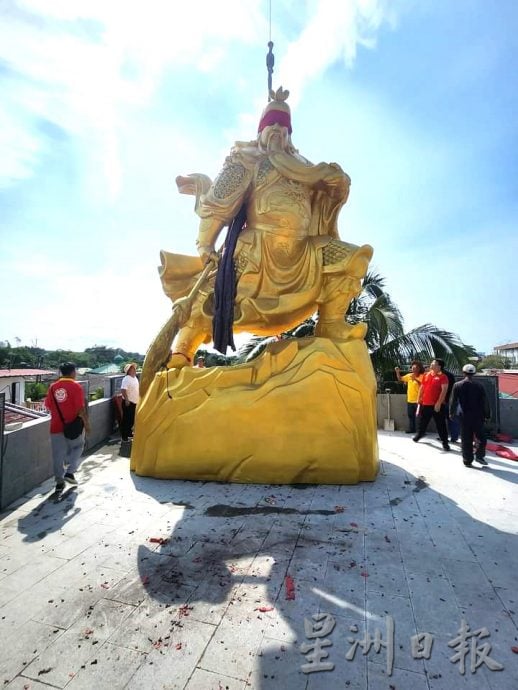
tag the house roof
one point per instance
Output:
(509, 346)
(11, 373)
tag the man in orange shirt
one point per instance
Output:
(432, 395)
(65, 401)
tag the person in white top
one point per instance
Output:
(130, 397)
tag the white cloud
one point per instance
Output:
(84, 65)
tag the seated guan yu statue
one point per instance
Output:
(282, 258)
(304, 411)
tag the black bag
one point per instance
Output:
(73, 429)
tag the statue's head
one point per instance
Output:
(275, 125)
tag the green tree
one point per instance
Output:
(494, 362)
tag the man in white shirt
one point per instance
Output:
(130, 396)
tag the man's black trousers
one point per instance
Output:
(426, 412)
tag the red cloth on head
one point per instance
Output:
(275, 117)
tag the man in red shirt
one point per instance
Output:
(66, 453)
(432, 395)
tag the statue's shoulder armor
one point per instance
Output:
(233, 175)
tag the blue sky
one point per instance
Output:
(103, 103)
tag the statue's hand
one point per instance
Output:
(182, 307)
(208, 254)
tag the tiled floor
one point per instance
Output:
(89, 598)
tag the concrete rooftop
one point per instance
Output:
(89, 598)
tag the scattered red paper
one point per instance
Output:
(158, 540)
(504, 438)
(364, 573)
(502, 451)
(290, 587)
(178, 645)
(339, 509)
(105, 585)
(184, 610)
(353, 524)
(264, 609)
(514, 650)
(144, 579)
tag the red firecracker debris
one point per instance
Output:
(184, 610)
(364, 573)
(339, 509)
(144, 579)
(353, 524)
(158, 540)
(105, 585)
(178, 645)
(290, 587)
(264, 609)
(514, 650)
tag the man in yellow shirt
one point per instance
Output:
(412, 381)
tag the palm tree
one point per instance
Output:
(386, 339)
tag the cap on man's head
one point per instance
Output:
(128, 366)
(469, 369)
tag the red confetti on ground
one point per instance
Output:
(514, 650)
(157, 644)
(105, 585)
(353, 524)
(264, 609)
(364, 573)
(87, 632)
(158, 540)
(290, 587)
(178, 645)
(145, 579)
(184, 610)
(339, 509)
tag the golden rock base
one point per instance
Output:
(303, 412)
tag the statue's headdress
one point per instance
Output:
(277, 112)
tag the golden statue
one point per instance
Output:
(288, 258)
(282, 260)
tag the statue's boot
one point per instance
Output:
(195, 332)
(344, 268)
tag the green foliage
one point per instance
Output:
(98, 393)
(23, 357)
(494, 362)
(35, 391)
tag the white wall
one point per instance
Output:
(5, 387)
